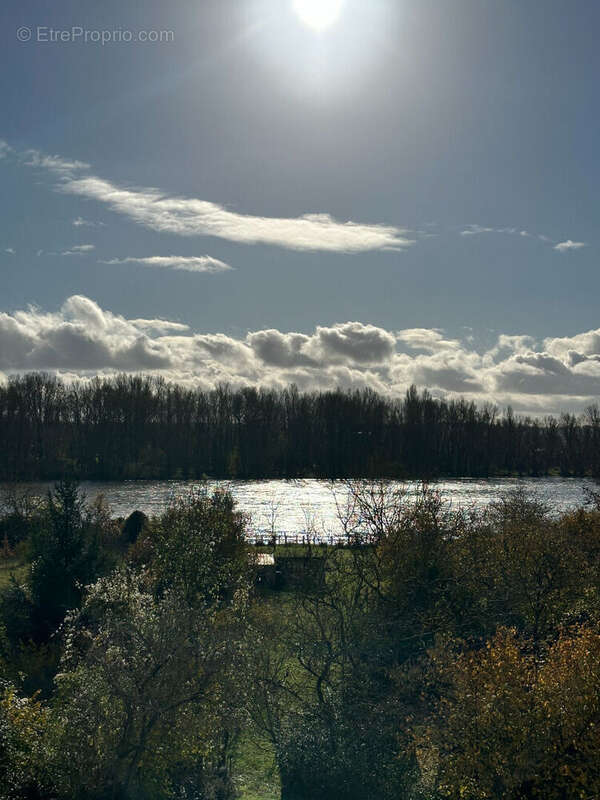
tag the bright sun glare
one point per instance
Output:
(318, 14)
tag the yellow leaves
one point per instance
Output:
(25, 714)
(508, 719)
(23, 723)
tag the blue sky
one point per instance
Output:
(414, 166)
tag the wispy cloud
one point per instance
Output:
(562, 247)
(427, 339)
(188, 216)
(186, 263)
(194, 217)
(475, 230)
(160, 326)
(565, 247)
(57, 164)
(10, 250)
(78, 250)
(80, 222)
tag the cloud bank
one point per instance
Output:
(82, 340)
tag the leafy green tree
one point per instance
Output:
(146, 700)
(522, 568)
(199, 548)
(151, 689)
(402, 553)
(64, 557)
(24, 763)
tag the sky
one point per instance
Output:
(217, 191)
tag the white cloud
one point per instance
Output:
(507, 345)
(475, 230)
(188, 216)
(426, 339)
(561, 247)
(10, 250)
(455, 374)
(187, 263)
(159, 325)
(80, 222)
(82, 340)
(565, 247)
(585, 344)
(286, 350)
(346, 343)
(193, 217)
(61, 166)
(354, 342)
(78, 250)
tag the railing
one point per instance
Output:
(266, 539)
(282, 538)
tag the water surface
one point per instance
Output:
(294, 508)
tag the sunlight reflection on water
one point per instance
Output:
(297, 506)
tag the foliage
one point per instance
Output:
(133, 526)
(23, 757)
(521, 568)
(143, 692)
(321, 691)
(511, 725)
(18, 515)
(64, 557)
(68, 545)
(431, 654)
(198, 547)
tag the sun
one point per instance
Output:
(318, 14)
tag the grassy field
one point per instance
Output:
(16, 566)
(256, 773)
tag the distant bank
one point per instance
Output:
(135, 427)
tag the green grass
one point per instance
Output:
(255, 771)
(16, 566)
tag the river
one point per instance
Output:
(293, 508)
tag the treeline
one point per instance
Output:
(144, 427)
(433, 655)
